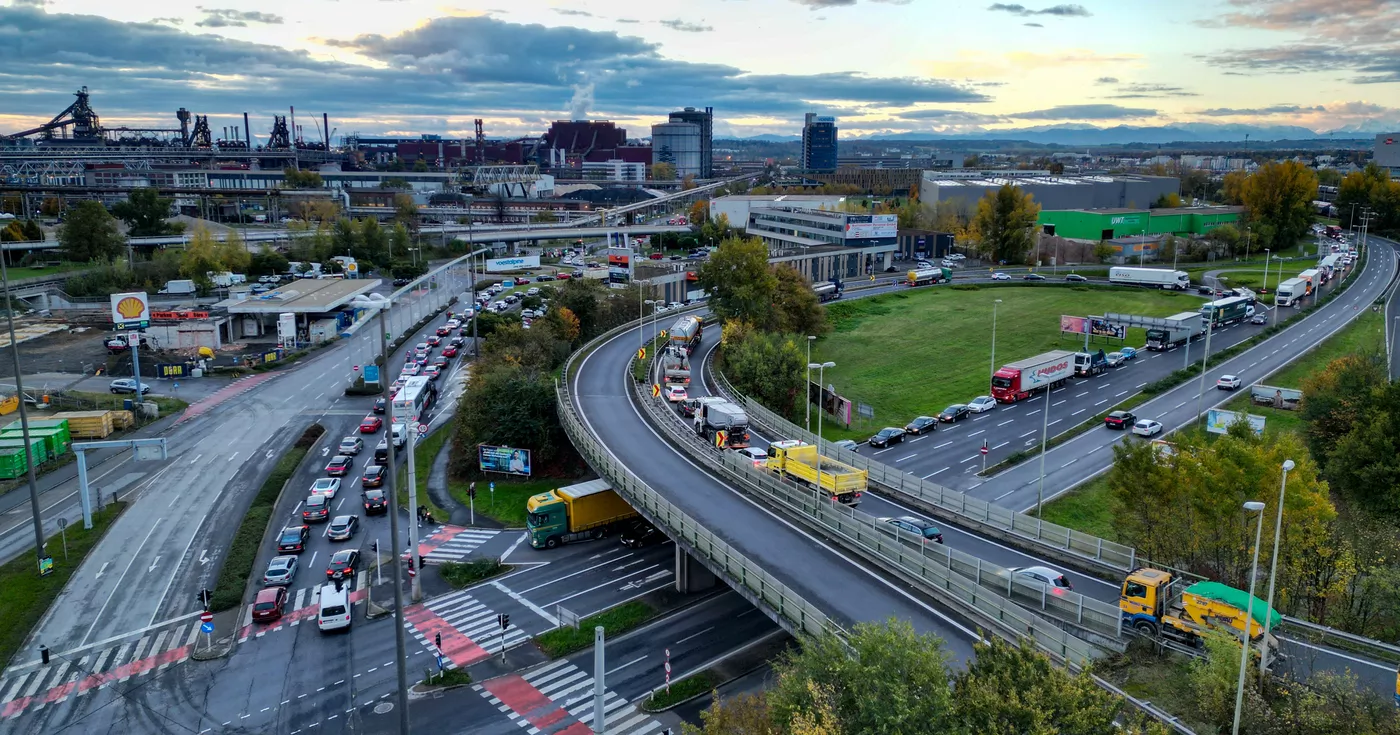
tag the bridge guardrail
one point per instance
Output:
(944, 577)
(1090, 548)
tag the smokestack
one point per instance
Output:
(293, 121)
(246, 136)
(326, 129)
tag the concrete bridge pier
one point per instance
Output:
(691, 574)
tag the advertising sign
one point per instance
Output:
(131, 310)
(1105, 328)
(169, 370)
(872, 226)
(519, 262)
(1218, 421)
(507, 460)
(1073, 324)
(620, 265)
(287, 326)
(1268, 395)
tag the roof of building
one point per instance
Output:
(794, 198)
(302, 296)
(1106, 210)
(1198, 210)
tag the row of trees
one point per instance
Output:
(889, 679)
(21, 231)
(1277, 198)
(1373, 189)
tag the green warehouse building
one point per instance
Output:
(1107, 224)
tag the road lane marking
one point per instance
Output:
(98, 617)
(1028, 433)
(1081, 395)
(1100, 403)
(1140, 385)
(196, 458)
(1072, 461)
(1076, 413)
(969, 459)
(1120, 395)
(1059, 403)
(975, 433)
(999, 446)
(1004, 423)
(1052, 423)
(944, 444)
(233, 456)
(907, 456)
(931, 474)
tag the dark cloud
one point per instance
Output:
(29, 3)
(171, 21)
(1033, 25)
(1357, 36)
(1261, 111)
(628, 20)
(1371, 65)
(1085, 112)
(1063, 11)
(686, 26)
(229, 18)
(452, 66)
(1106, 80)
(571, 11)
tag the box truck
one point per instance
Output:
(1152, 277)
(1311, 278)
(586, 510)
(1227, 311)
(1019, 380)
(179, 288)
(1175, 330)
(1290, 292)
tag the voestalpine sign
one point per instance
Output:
(497, 265)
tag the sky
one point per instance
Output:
(878, 66)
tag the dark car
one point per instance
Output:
(441, 362)
(955, 412)
(376, 503)
(442, 331)
(639, 533)
(294, 538)
(1205, 290)
(887, 436)
(923, 528)
(542, 279)
(921, 424)
(402, 281)
(343, 564)
(343, 528)
(435, 340)
(316, 508)
(269, 604)
(465, 331)
(1032, 277)
(374, 476)
(456, 342)
(339, 466)
(1075, 277)
(1119, 419)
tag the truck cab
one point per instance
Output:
(1090, 363)
(586, 510)
(1152, 606)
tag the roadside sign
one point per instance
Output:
(206, 617)
(641, 353)
(720, 436)
(422, 430)
(984, 449)
(655, 390)
(356, 368)
(206, 628)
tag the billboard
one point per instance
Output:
(866, 227)
(131, 310)
(620, 265)
(506, 460)
(1073, 324)
(1268, 395)
(519, 262)
(1103, 328)
(1218, 421)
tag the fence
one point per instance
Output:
(1089, 548)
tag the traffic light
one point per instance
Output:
(471, 491)
(504, 620)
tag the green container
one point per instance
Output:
(61, 424)
(39, 445)
(11, 463)
(55, 439)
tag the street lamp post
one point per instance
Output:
(808, 387)
(993, 371)
(1273, 568)
(640, 316)
(1253, 506)
(1205, 360)
(821, 379)
(29, 456)
(1395, 325)
(1266, 270)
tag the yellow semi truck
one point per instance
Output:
(586, 510)
(1152, 605)
(842, 482)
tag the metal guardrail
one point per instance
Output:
(1090, 548)
(1323, 635)
(967, 584)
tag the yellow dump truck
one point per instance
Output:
(1152, 605)
(586, 510)
(844, 483)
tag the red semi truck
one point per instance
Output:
(1019, 380)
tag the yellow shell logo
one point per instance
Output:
(130, 307)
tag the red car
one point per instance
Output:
(442, 331)
(562, 276)
(522, 281)
(269, 604)
(371, 424)
(339, 466)
(436, 340)
(449, 351)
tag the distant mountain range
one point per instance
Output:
(1089, 135)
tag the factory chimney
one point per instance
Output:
(293, 121)
(246, 137)
(326, 130)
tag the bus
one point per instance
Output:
(414, 399)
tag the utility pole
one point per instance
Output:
(24, 422)
(599, 688)
(400, 645)
(411, 430)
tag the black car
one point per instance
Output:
(1119, 420)
(955, 412)
(542, 279)
(294, 539)
(343, 564)
(1032, 277)
(923, 528)
(379, 405)
(921, 424)
(1206, 290)
(639, 533)
(402, 281)
(1075, 277)
(887, 436)
(376, 503)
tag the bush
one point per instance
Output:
(564, 641)
(466, 574)
(966, 287)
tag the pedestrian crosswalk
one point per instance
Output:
(469, 628)
(34, 686)
(300, 605)
(454, 545)
(558, 697)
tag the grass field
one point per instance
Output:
(615, 622)
(925, 374)
(507, 503)
(20, 273)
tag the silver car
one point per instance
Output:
(280, 571)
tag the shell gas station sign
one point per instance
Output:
(131, 310)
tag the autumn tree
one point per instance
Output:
(745, 714)
(298, 179)
(1232, 187)
(1278, 200)
(739, 281)
(90, 234)
(1371, 188)
(1003, 224)
(406, 211)
(201, 257)
(232, 253)
(795, 306)
(663, 171)
(699, 212)
(766, 367)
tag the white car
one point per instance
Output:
(999, 276)
(1147, 427)
(327, 486)
(759, 457)
(675, 393)
(1045, 575)
(981, 404)
(1228, 382)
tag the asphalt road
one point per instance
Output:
(846, 590)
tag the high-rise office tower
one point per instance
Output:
(819, 143)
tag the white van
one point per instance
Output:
(334, 613)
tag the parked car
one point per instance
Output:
(343, 528)
(294, 538)
(127, 385)
(918, 526)
(269, 603)
(887, 436)
(981, 404)
(1147, 427)
(955, 412)
(1076, 278)
(351, 445)
(921, 425)
(1049, 576)
(1228, 382)
(280, 571)
(1119, 419)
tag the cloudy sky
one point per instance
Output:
(405, 66)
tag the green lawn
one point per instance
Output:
(19, 273)
(1087, 508)
(912, 353)
(466, 574)
(615, 621)
(424, 453)
(507, 503)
